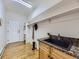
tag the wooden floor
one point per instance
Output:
(20, 51)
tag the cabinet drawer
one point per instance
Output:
(60, 54)
(55, 56)
(44, 46)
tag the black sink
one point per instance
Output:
(61, 43)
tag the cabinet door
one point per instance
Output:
(56, 56)
(44, 47)
(43, 54)
(44, 51)
(60, 55)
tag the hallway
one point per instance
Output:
(19, 51)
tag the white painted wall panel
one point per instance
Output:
(2, 27)
(15, 26)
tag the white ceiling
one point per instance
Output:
(15, 7)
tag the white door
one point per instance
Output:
(13, 31)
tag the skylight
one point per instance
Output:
(23, 3)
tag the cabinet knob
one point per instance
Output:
(51, 58)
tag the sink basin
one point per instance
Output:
(61, 43)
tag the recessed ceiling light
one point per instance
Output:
(23, 3)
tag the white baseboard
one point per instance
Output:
(2, 52)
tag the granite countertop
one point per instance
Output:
(70, 52)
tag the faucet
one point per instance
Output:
(50, 36)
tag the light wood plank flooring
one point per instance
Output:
(20, 51)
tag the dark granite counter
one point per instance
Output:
(70, 52)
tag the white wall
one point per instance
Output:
(15, 23)
(2, 27)
(66, 25)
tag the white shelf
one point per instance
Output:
(74, 10)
